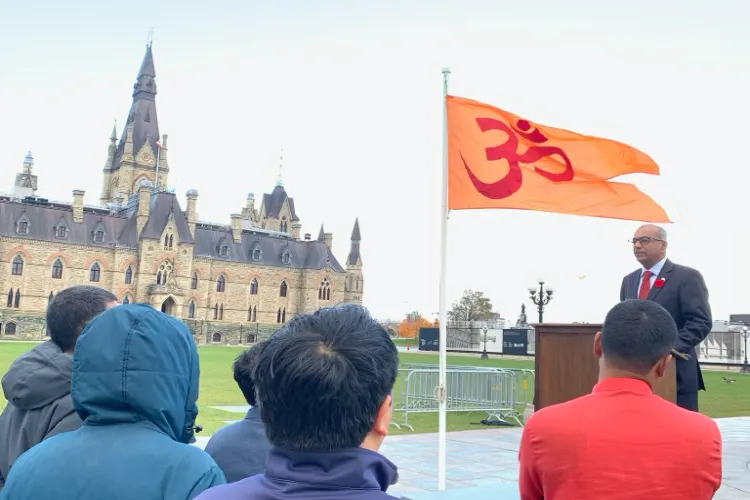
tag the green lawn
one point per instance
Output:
(218, 388)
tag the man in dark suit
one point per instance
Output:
(681, 291)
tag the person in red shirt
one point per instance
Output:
(622, 441)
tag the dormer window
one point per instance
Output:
(256, 253)
(22, 226)
(98, 233)
(99, 236)
(223, 251)
(61, 231)
(286, 258)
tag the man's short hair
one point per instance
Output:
(321, 379)
(244, 366)
(636, 334)
(71, 310)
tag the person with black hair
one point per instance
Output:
(135, 384)
(37, 385)
(324, 384)
(240, 449)
(622, 441)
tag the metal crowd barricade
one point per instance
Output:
(476, 389)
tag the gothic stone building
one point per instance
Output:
(231, 283)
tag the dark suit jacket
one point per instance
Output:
(685, 296)
(240, 449)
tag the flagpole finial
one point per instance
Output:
(279, 180)
(446, 70)
(150, 37)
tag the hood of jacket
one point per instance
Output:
(134, 363)
(38, 377)
(355, 468)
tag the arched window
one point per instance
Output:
(194, 282)
(283, 226)
(10, 328)
(216, 311)
(17, 300)
(49, 299)
(10, 298)
(95, 272)
(250, 313)
(216, 337)
(286, 257)
(254, 286)
(255, 314)
(17, 269)
(257, 254)
(356, 285)
(164, 273)
(250, 338)
(283, 315)
(324, 292)
(126, 300)
(283, 290)
(171, 241)
(128, 275)
(221, 312)
(57, 269)
(221, 284)
(278, 316)
(191, 310)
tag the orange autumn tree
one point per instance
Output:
(409, 327)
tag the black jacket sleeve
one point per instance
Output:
(695, 310)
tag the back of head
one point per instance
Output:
(71, 310)
(636, 334)
(322, 378)
(132, 363)
(244, 366)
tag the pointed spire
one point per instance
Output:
(113, 137)
(147, 66)
(322, 234)
(355, 232)
(279, 180)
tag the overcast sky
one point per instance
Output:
(351, 90)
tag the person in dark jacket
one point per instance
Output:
(324, 384)
(240, 449)
(135, 386)
(37, 385)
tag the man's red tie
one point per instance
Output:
(645, 284)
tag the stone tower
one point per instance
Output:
(354, 287)
(135, 157)
(26, 182)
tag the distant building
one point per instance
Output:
(232, 283)
(723, 344)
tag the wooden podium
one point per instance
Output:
(566, 368)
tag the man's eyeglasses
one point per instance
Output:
(644, 240)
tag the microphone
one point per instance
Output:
(198, 428)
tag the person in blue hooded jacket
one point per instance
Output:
(135, 386)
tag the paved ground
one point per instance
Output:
(483, 464)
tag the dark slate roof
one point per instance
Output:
(43, 219)
(354, 254)
(274, 201)
(143, 110)
(162, 205)
(304, 254)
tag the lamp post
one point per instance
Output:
(541, 298)
(745, 335)
(484, 351)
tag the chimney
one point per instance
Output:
(296, 229)
(192, 216)
(144, 204)
(78, 206)
(308, 236)
(328, 238)
(236, 227)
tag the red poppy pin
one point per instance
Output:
(660, 282)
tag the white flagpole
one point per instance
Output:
(443, 340)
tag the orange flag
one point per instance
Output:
(499, 160)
